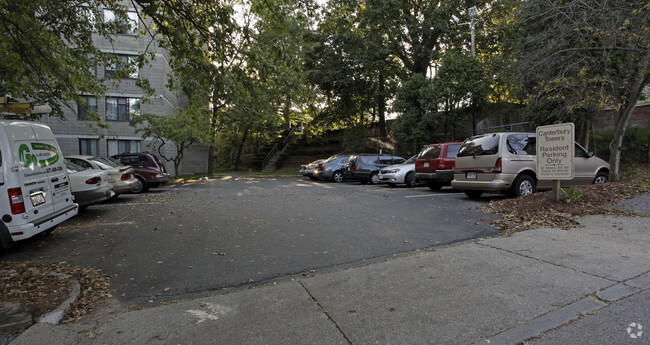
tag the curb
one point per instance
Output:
(55, 316)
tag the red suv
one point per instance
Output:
(148, 169)
(435, 165)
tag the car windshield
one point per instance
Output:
(429, 152)
(411, 160)
(105, 163)
(481, 145)
(73, 167)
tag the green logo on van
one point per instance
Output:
(29, 159)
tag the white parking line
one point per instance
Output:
(428, 195)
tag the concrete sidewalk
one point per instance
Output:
(501, 290)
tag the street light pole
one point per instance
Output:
(473, 14)
(471, 25)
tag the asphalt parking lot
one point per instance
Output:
(188, 240)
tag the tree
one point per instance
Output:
(439, 108)
(577, 57)
(353, 66)
(182, 129)
(47, 50)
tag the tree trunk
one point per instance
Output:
(381, 106)
(622, 120)
(241, 148)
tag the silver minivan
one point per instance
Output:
(505, 163)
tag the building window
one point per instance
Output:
(88, 147)
(88, 106)
(126, 63)
(115, 147)
(121, 108)
(124, 26)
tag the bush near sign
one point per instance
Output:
(555, 151)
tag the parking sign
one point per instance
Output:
(555, 151)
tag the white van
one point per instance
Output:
(35, 191)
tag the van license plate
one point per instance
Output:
(470, 175)
(38, 198)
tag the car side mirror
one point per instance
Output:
(590, 154)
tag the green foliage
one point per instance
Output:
(439, 108)
(575, 58)
(182, 129)
(572, 195)
(47, 52)
(636, 145)
(353, 139)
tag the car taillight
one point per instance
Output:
(497, 165)
(321, 168)
(126, 177)
(94, 180)
(16, 200)
(442, 164)
(356, 169)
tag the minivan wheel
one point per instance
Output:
(523, 185)
(337, 176)
(601, 177)
(473, 194)
(374, 178)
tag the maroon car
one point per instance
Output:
(148, 169)
(435, 165)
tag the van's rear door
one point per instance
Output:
(41, 172)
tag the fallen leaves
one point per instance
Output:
(34, 283)
(538, 210)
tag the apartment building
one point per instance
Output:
(78, 134)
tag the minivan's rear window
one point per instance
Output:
(430, 152)
(521, 144)
(478, 146)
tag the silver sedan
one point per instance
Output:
(399, 173)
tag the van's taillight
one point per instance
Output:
(497, 165)
(126, 177)
(94, 180)
(16, 200)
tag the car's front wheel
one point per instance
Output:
(410, 180)
(601, 177)
(523, 185)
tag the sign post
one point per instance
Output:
(555, 147)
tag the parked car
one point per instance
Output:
(88, 186)
(148, 169)
(505, 163)
(435, 164)
(332, 169)
(120, 176)
(307, 170)
(399, 173)
(365, 168)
